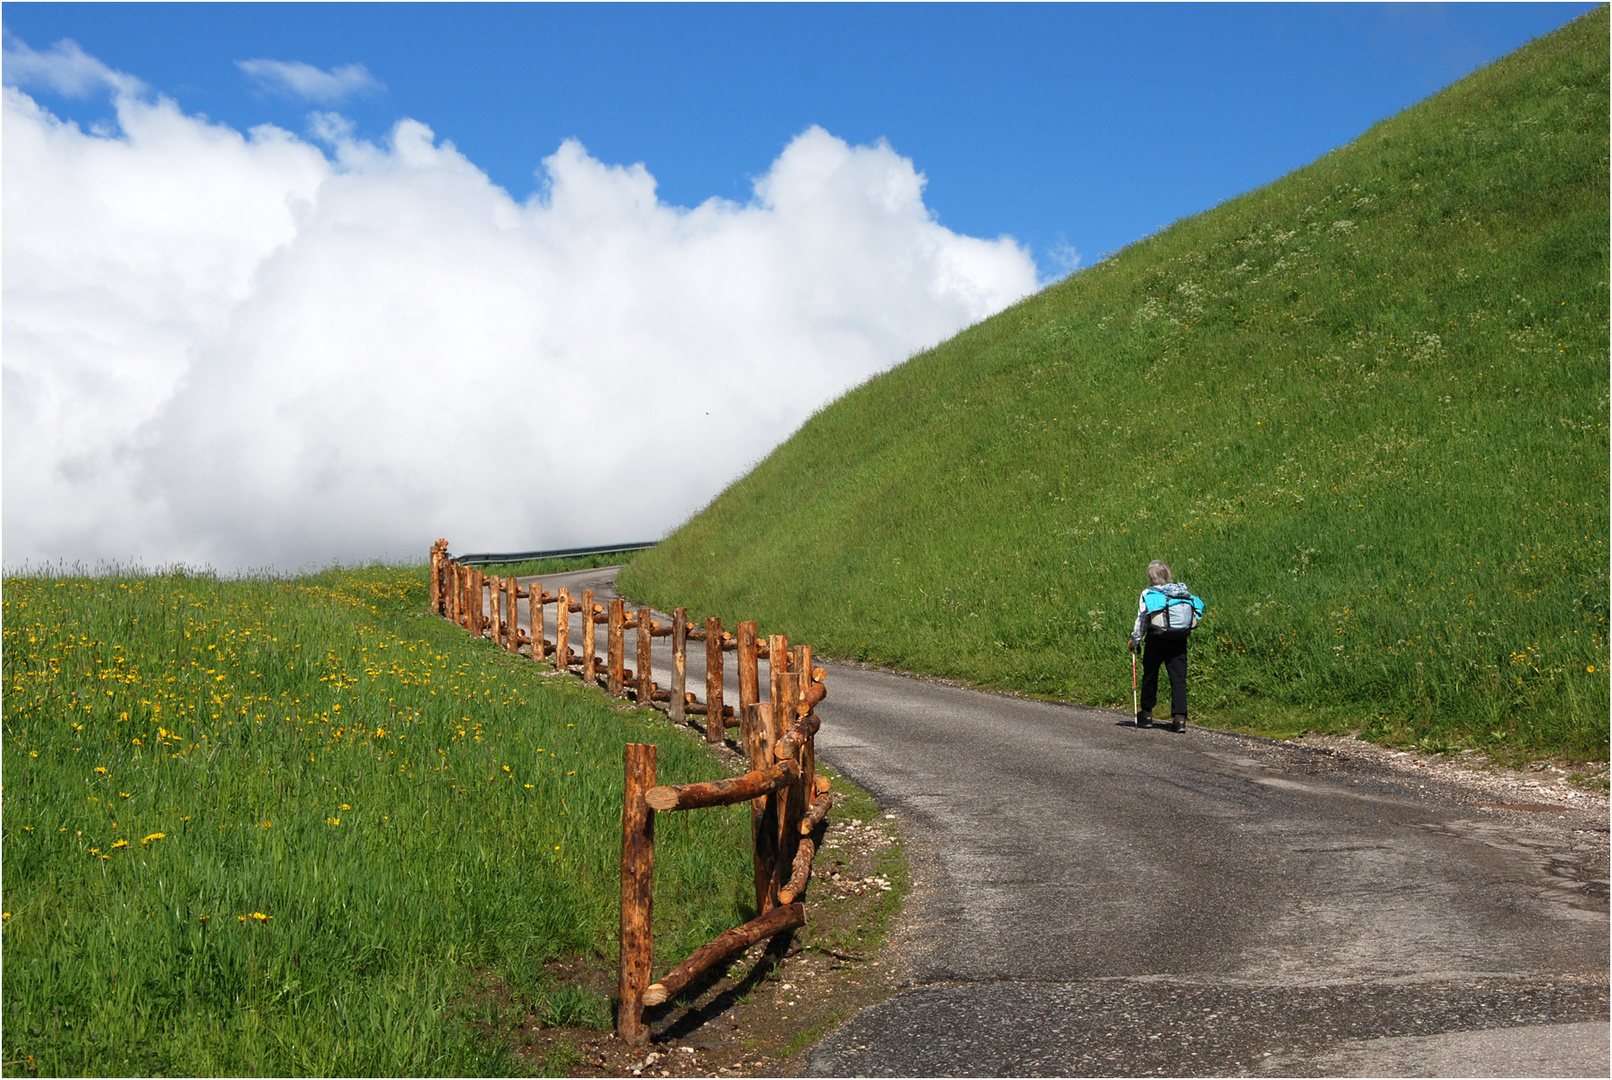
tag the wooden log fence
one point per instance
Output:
(789, 802)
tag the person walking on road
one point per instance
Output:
(1165, 616)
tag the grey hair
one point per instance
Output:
(1158, 573)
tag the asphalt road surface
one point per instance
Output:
(1094, 899)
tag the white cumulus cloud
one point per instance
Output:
(245, 349)
(295, 79)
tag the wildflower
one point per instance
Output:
(528, 785)
(101, 769)
(268, 824)
(332, 821)
(27, 828)
(5, 916)
(260, 917)
(124, 795)
(153, 836)
(344, 806)
(119, 843)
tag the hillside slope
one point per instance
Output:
(1362, 411)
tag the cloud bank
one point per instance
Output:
(253, 349)
(304, 82)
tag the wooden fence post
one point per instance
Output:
(777, 668)
(646, 681)
(615, 648)
(512, 616)
(751, 723)
(478, 603)
(495, 609)
(714, 721)
(679, 665)
(637, 893)
(764, 812)
(534, 618)
(808, 752)
(442, 578)
(451, 601)
(562, 630)
(435, 599)
(790, 804)
(588, 664)
(748, 685)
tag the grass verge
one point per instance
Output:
(291, 825)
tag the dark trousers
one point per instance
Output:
(1169, 650)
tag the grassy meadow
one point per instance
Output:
(293, 825)
(1362, 411)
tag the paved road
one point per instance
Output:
(1090, 898)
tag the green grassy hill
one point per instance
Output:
(1361, 411)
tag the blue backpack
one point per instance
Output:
(1166, 613)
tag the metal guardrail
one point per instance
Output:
(484, 558)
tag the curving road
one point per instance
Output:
(1090, 898)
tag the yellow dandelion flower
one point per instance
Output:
(119, 843)
(101, 769)
(124, 795)
(153, 836)
(344, 806)
(260, 917)
(268, 824)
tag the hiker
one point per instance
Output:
(1165, 615)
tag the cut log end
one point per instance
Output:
(656, 995)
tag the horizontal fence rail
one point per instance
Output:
(485, 558)
(789, 802)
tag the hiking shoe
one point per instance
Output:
(1178, 722)
(1144, 719)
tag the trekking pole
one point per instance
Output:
(1136, 702)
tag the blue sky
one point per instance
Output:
(1065, 126)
